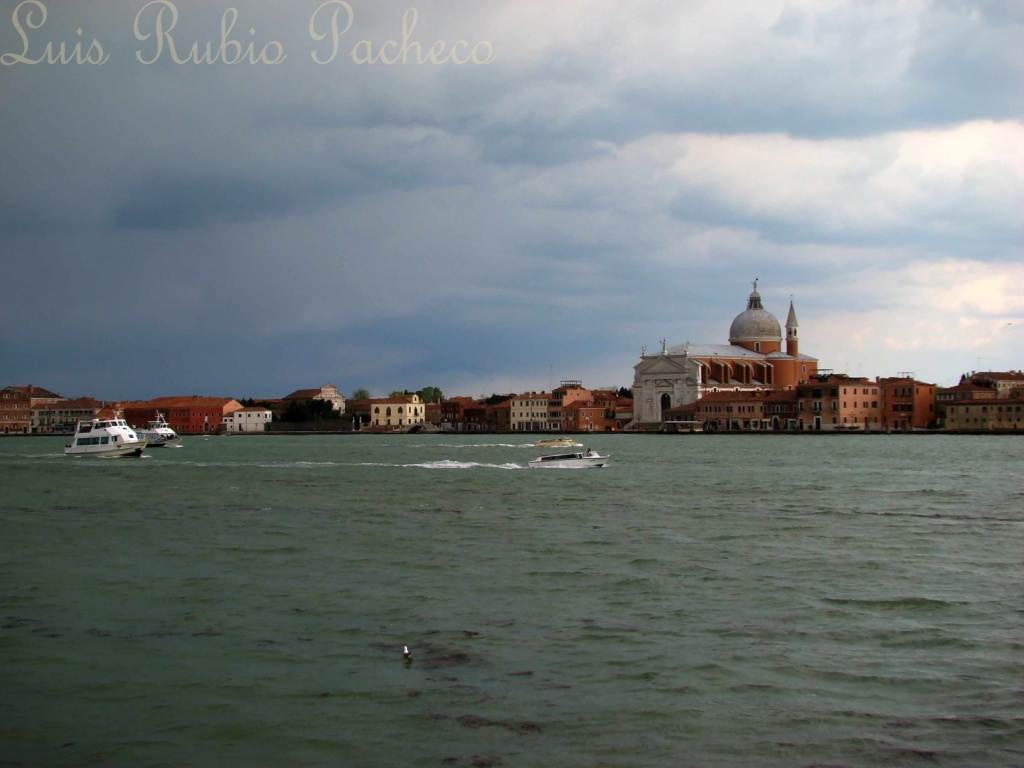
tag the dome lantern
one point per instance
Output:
(755, 324)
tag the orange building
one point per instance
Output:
(838, 402)
(723, 411)
(603, 412)
(906, 403)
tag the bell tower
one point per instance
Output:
(792, 342)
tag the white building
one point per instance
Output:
(248, 420)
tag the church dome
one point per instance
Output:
(755, 323)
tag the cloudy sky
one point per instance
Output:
(536, 191)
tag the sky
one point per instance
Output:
(242, 199)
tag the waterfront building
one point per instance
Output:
(587, 416)
(499, 415)
(396, 411)
(835, 401)
(762, 410)
(62, 416)
(360, 410)
(727, 411)
(906, 403)
(987, 415)
(754, 360)
(248, 419)
(328, 393)
(986, 401)
(570, 391)
(453, 413)
(480, 416)
(476, 418)
(186, 415)
(529, 412)
(603, 411)
(1003, 382)
(16, 405)
(432, 414)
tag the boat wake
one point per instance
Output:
(464, 446)
(446, 464)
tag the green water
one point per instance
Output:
(703, 601)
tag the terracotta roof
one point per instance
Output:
(721, 397)
(396, 400)
(78, 403)
(187, 401)
(966, 386)
(783, 395)
(303, 394)
(1002, 375)
(34, 391)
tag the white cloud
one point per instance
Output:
(942, 181)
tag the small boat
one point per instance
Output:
(104, 437)
(557, 442)
(570, 461)
(158, 432)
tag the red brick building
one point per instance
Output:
(16, 405)
(602, 412)
(189, 415)
(453, 413)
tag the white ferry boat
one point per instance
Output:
(570, 461)
(158, 432)
(104, 437)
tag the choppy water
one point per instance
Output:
(704, 601)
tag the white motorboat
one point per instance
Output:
(104, 437)
(570, 461)
(158, 432)
(557, 442)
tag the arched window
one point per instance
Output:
(666, 402)
(388, 413)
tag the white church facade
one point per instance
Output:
(753, 360)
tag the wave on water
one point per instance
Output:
(476, 445)
(896, 603)
(449, 464)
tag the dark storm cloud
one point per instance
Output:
(402, 222)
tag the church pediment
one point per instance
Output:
(664, 365)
